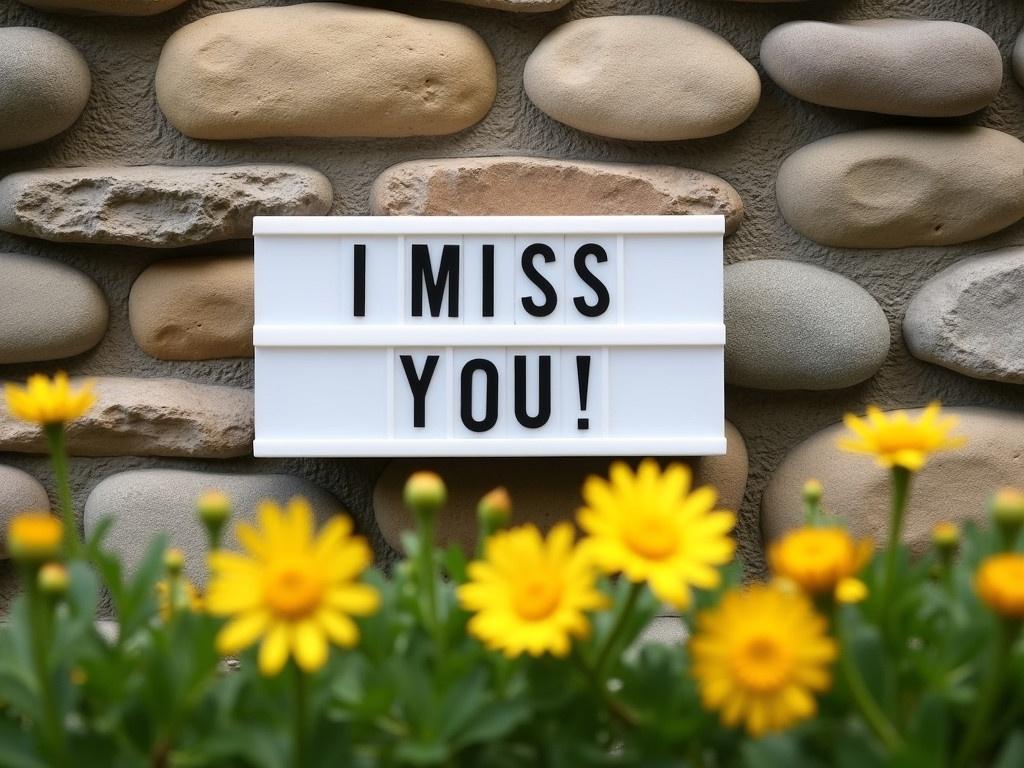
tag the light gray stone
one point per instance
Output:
(154, 205)
(105, 7)
(47, 310)
(19, 492)
(955, 485)
(44, 85)
(517, 6)
(533, 186)
(146, 502)
(897, 187)
(1017, 58)
(648, 78)
(149, 417)
(798, 326)
(323, 69)
(916, 67)
(970, 317)
(543, 491)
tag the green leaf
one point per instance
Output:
(1012, 753)
(494, 721)
(780, 751)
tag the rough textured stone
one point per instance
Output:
(47, 310)
(1017, 58)
(105, 7)
(544, 491)
(797, 326)
(156, 206)
(194, 309)
(896, 187)
(916, 67)
(970, 317)
(532, 186)
(147, 502)
(44, 85)
(362, 72)
(517, 6)
(150, 417)
(649, 78)
(954, 486)
(19, 492)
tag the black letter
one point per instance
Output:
(418, 386)
(423, 279)
(543, 393)
(593, 281)
(550, 297)
(491, 386)
(359, 280)
(487, 310)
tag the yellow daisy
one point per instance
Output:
(896, 441)
(529, 594)
(651, 528)
(293, 588)
(1000, 584)
(818, 560)
(45, 402)
(760, 656)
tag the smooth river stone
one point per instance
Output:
(150, 417)
(47, 310)
(157, 206)
(105, 7)
(797, 326)
(148, 502)
(897, 187)
(955, 485)
(1017, 58)
(543, 491)
(194, 308)
(532, 186)
(44, 85)
(915, 67)
(647, 78)
(517, 6)
(323, 69)
(970, 317)
(19, 492)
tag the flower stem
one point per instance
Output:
(40, 617)
(619, 627)
(614, 706)
(300, 723)
(898, 507)
(988, 695)
(57, 440)
(428, 576)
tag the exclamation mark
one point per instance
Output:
(583, 376)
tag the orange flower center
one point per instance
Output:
(761, 663)
(537, 599)
(293, 591)
(651, 536)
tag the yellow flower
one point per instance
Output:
(45, 402)
(896, 441)
(192, 600)
(1000, 584)
(851, 591)
(760, 656)
(35, 536)
(649, 527)
(530, 594)
(818, 559)
(295, 589)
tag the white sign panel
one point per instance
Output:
(489, 336)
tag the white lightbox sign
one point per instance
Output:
(489, 336)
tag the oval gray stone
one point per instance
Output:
(149, 417)
(155, 205)
(19, 492)
(1017, 58)
(44, 85)
(105, 7)
(148, 502)
(970, 317)
(323, 69)
(897, 187)
(47, 310)
(517, 6)
(647, 78)
(534, 186)
(955, 485)
(798, 326)
(915, 67)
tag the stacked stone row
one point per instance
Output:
(938, 179)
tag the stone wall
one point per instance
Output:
(136, 144)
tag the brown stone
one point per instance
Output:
(543, 491)
(955, 485)
(194, 309)
(533, 186)
(149, 417)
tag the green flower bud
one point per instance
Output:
(495, 509)
(425, 492)
(53, 579)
